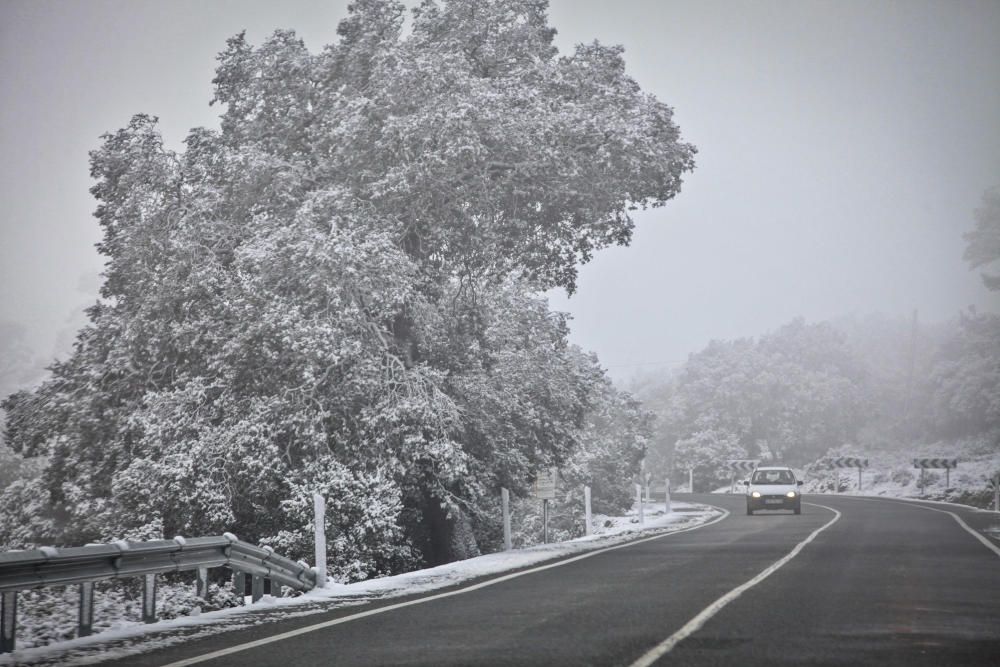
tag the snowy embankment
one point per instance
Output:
(126, 636)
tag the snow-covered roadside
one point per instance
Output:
(138, 638)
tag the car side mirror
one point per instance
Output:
(746, 482)
(799, 483)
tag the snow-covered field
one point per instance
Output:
(128, 637)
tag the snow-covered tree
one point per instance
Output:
(336, 288)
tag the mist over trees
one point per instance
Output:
(873, 383)
(337, 292)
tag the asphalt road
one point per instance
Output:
(885, 582)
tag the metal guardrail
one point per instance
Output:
(49, 566)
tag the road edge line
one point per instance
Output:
(696, 623)
(916, 503)
(437, 596)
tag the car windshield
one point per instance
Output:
(773, 477)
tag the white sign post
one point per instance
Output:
(505, 501)
(666, 492)
(319, 511)
(638, 501)
(587, 527)
(690, 480)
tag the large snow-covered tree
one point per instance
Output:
(336, 289)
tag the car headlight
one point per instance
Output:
(755, 494)
(790, 494)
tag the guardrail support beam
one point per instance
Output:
(86, 618)
(256, 588)
(8, 620)
(201, 583)
(149, 598)
(273, 588)
(240, 586)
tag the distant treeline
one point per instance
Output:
(790, 395)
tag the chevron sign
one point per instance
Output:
(935, 463)
(844, 462)
(742, 465)
(849, 462)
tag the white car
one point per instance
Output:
(773, 488)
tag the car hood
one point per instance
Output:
(772, 489)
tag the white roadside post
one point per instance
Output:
(587, 526)
(638, 500)
(996, 494)
(666, 493)
(690, 480)
(505, 502)
(319, 510)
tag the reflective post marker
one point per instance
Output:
(505, 502)
(545, 521)
(587, 528)
(638, 499)
(859, 478)
(86, 616)
(996, 494)
(690, 480)
(8, 620)
(319, 510)
(667, 494)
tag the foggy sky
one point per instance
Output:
(842, 149)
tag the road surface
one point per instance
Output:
(848, 582)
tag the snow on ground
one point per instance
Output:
(132, 638)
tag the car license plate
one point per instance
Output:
(775, 501)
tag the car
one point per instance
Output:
(773, 488)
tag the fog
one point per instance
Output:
(842, 150)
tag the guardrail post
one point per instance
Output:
(256, 588)
(587, 527)
(201, 583)
(273, 588)
(240, 586)
(149, 598)
(8, 620)
(505, 505)
(86, 617)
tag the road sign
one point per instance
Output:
(935, 463)
(924, 464)
(843, 462)
(544, 487)
(742, 465)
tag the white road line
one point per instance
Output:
(711, 610)
(468, 589)
(975, 533)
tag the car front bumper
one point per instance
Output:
(774, 502)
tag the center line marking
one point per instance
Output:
(711, 610)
